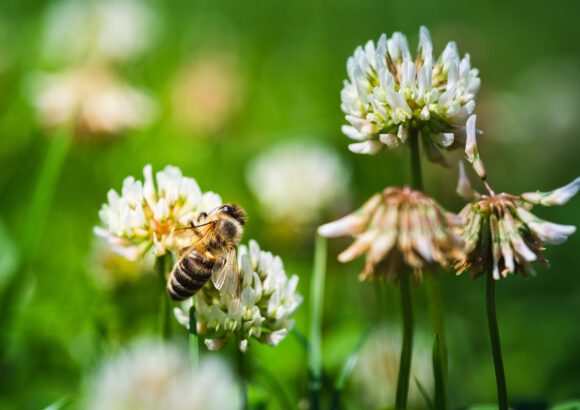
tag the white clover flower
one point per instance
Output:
(375, 374)
(152, 376)
(207, 92)
(268, 301)
(388, 93)
(92, 99)
(146, 214)
(296, 181)
(103, 30)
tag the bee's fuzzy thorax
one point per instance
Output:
(238, 213)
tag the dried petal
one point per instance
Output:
(403, 227)
(464, 189)
(471, 151)
(556, 197)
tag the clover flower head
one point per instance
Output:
(207, 92)
(398, 229)
(150, 375)
(388, 93)
(501, 235)
(146, 214)
(268, 301)
(97, 30)
(92, 99)
(297, 181)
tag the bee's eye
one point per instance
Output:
(226, 209)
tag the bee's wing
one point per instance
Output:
(226, 276)
(187, 237)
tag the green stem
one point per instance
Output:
(416, 174)
(34, 223)
(440, 366)
(243, 370)
(407, 346)
(316, 305)
(193, 339)
(495, 344)
(161, 268)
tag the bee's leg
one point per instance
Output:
(202, 216)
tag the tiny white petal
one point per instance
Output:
(402, 134)
(349, 225)
(366, 147)
(352, 132)
(390, 140)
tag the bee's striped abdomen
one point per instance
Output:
(189, 275)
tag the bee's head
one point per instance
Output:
(235, 212)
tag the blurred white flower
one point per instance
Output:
(92, 99)
(375, 374)
(207, 92)
(154, 376)
(268, 301)
(295, 181)
(109, 269)
(146, 214)
(104, 30)
(388, 93)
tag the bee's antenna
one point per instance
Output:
(213, 210)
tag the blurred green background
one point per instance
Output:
(286, 62)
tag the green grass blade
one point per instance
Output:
(193, 339)
(316, 305)
(425, 395)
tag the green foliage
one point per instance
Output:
(569, 405)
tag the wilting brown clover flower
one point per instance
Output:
(501, 235)
(398, 229)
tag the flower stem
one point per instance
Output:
(243, 370)
(495, 344)
(164, 306)
(407, 347)
(416, 174)
(193, 339)
(316, 305)
(433, 294)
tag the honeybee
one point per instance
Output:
(212, 254)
